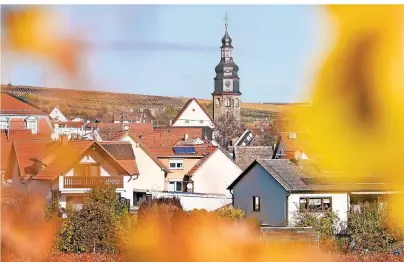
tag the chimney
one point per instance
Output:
(64, 139)
(185, 137)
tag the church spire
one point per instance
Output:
(225, 21)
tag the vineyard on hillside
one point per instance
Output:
(98, 104)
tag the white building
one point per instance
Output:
(274, 190)
(192, 115)
(18, 115)
(57, 115)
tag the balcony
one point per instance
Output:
(89, 182)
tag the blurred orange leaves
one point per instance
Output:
(34, 30)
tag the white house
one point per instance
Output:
(57, 115)
(165, 171)
(18, 115)
(76, 130)
(274, 190)
(192, 115)
(68, 169)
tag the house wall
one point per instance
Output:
(56, 113)
(273, 197)
(339, 204)
(151, 176)
(197, 201)
(196, 116)
(188, 163)
(216, 174)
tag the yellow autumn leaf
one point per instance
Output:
(33, 30)
(356, 117)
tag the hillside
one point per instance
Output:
(88, 103)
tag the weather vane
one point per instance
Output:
(226, 19)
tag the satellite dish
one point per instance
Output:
(54, 136)
(189, 186)
(298, 155)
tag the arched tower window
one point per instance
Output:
(227, 102)
(218, 101)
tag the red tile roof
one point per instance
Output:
(167, 151)
(169, 137)
(130, 165)
(17, 124)
(58, 158)
(7, 138)
(12, 105)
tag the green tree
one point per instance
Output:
(370, 229)
(97, 226)
(230, 213)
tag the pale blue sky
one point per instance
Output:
(172, 50)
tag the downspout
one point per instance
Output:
(232, 197)
(287, 209)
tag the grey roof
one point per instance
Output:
(305, 177)
(245, 155)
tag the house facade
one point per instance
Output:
(275, 190)
(66, 170)
(192, 115)
(18, 115)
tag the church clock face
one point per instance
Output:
(228, 85)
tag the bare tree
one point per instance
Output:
(227, 127)
(269, 134)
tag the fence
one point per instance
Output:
(301, 235)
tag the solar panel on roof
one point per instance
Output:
(189, 150)
(179, 150)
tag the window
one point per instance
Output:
(176, 164)
(3, 123)
(256, 203)
(227, 102)
(237, 102)
(87, 170)
(32, 125)
(218, 101)
(176, 186)
(315, 204)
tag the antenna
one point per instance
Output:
(9, 76)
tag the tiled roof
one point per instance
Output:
(17, 124)
(12, 105)
(294, 177)
(57, 158)
(170, 136)
(130, 165)
(120, 135)
(107, 130)
(7, 138)
(245, 155)
(167, 151)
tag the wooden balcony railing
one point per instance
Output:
(89, 182)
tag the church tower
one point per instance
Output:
(226, 96)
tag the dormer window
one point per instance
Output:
(31, 123)
(3, 123)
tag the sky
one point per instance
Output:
(172, 50)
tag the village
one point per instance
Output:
(208, 158)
